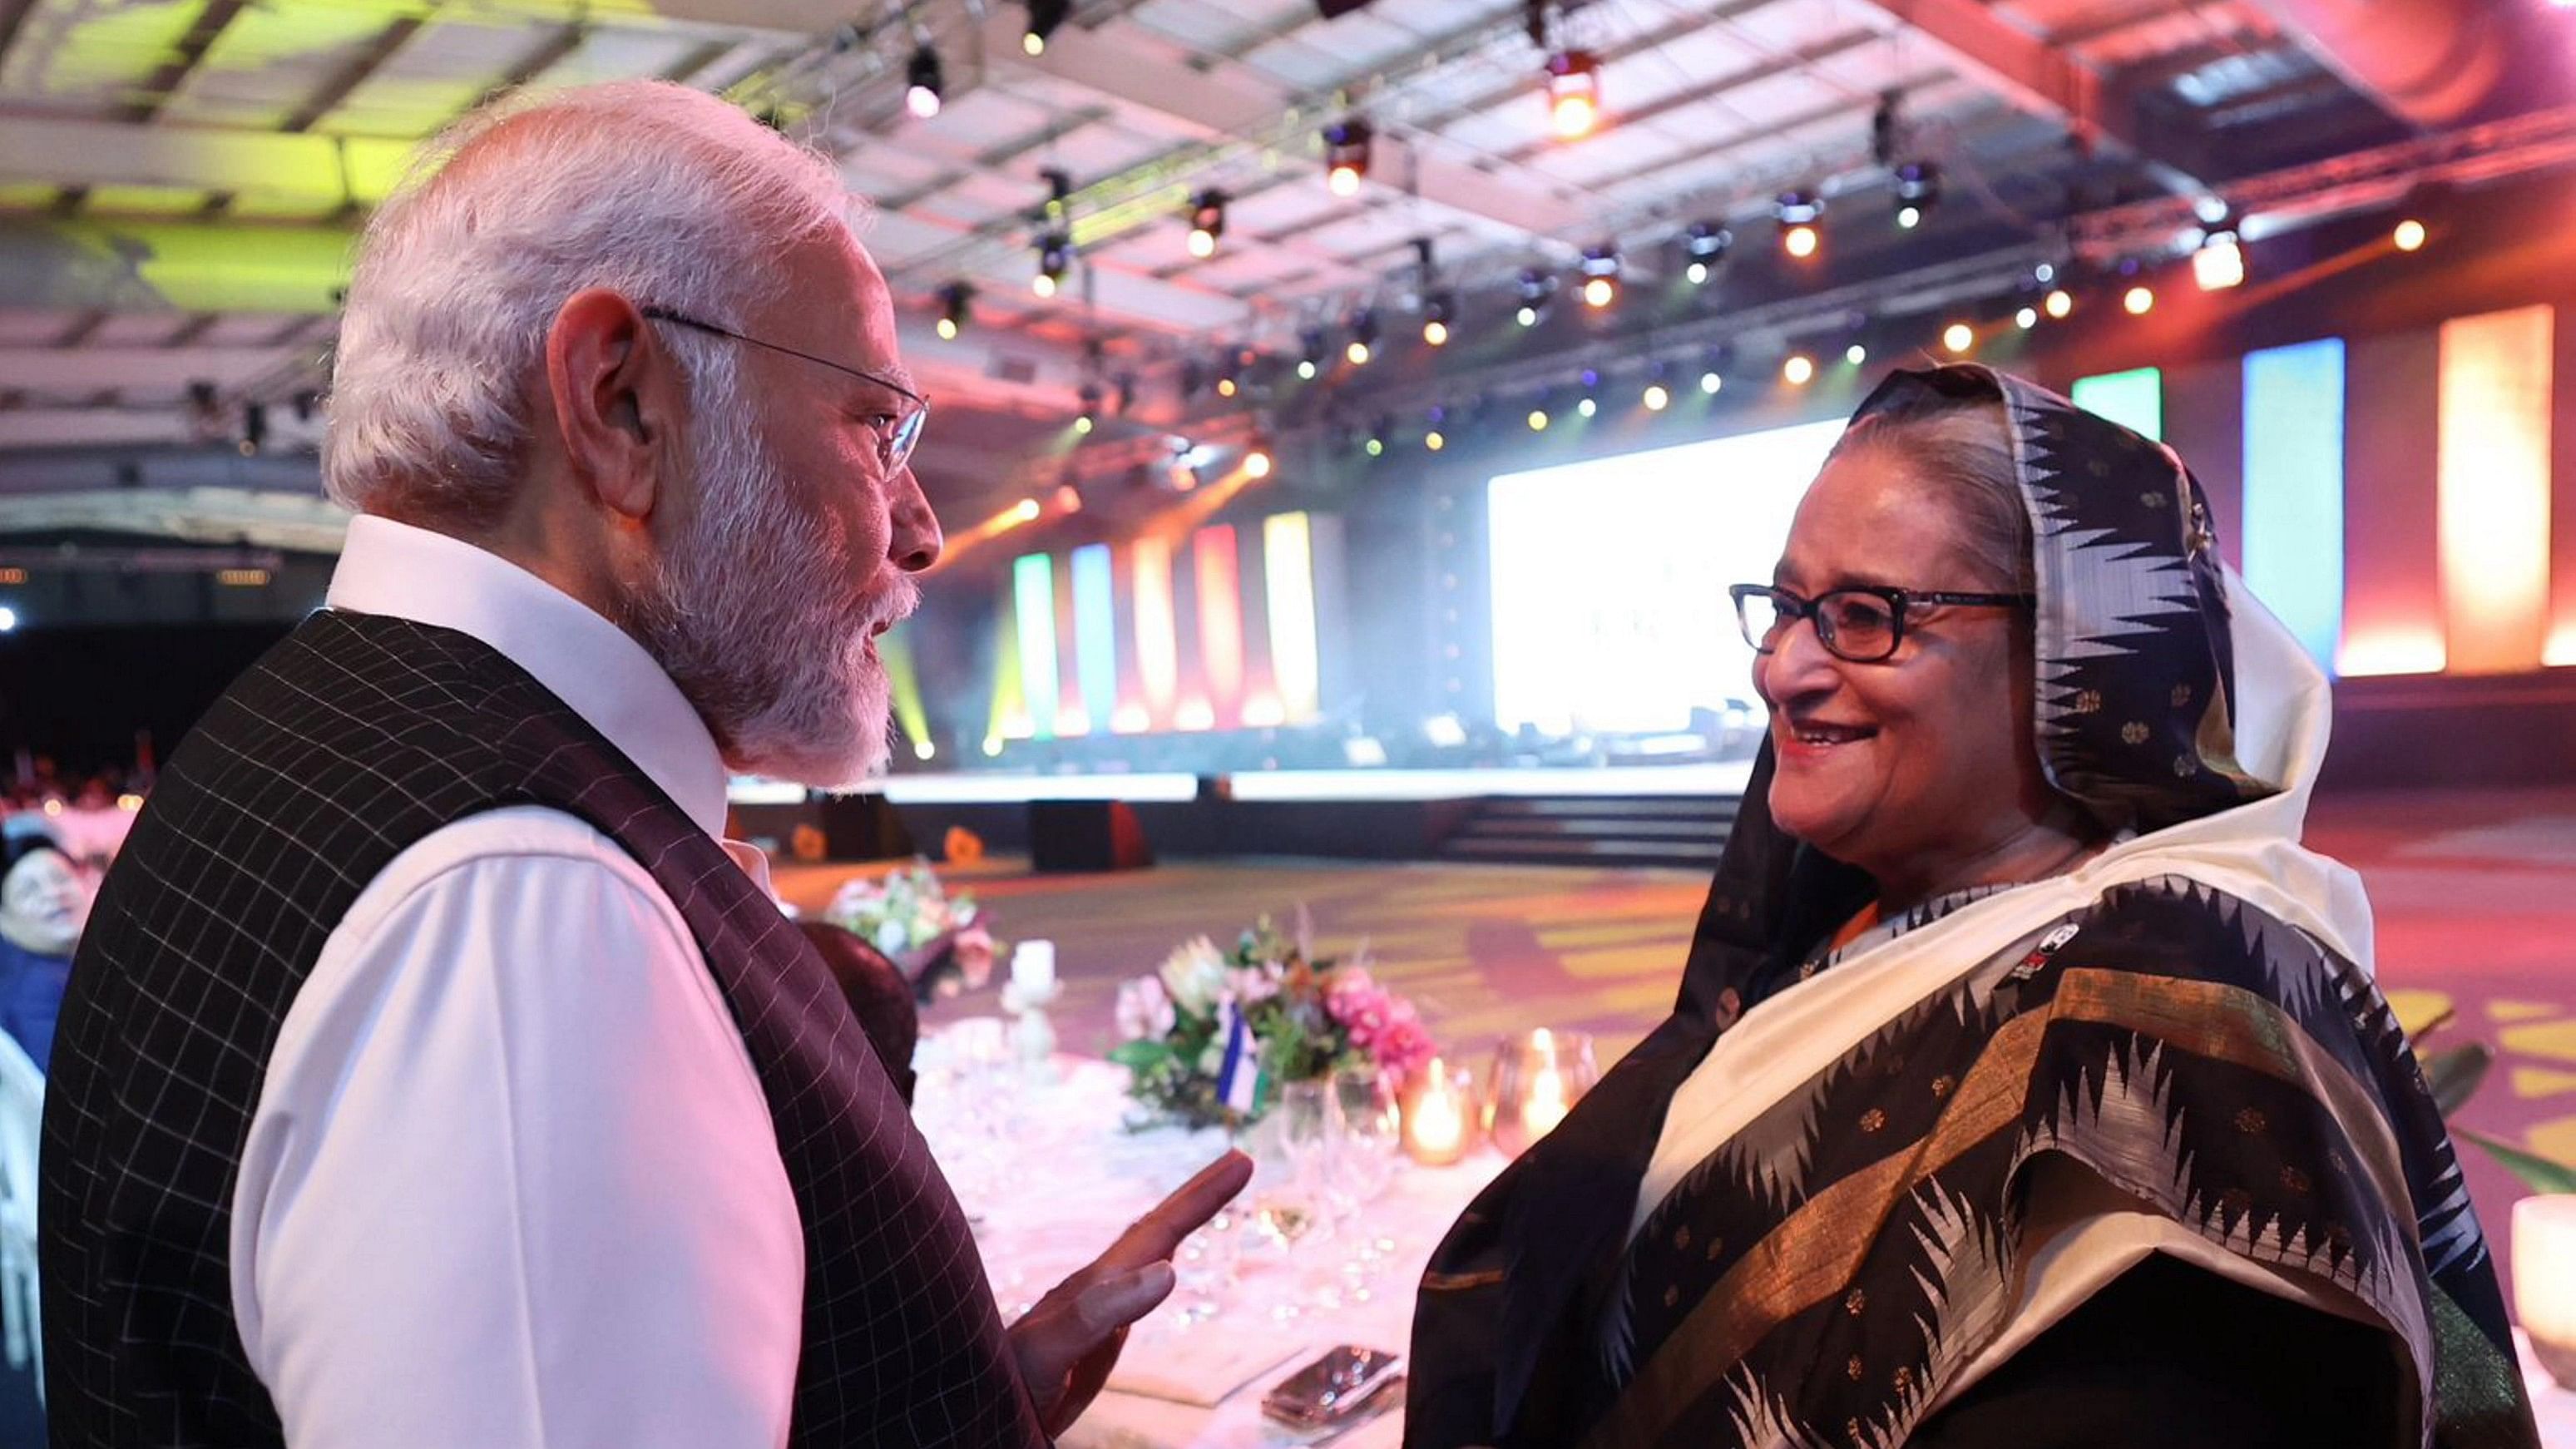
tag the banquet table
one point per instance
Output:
(1051, 1167)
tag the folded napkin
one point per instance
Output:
(1202, 1368)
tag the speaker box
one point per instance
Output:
(1086, 835)
(862, 827)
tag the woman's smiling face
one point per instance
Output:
(1927, 756)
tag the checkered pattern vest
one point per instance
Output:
(354, 738)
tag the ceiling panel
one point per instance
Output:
(438, 72)
(270, 60)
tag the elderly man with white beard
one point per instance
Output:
(432, 1073)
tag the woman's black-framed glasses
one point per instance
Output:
(895, 441)
(1863, 624)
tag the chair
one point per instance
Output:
(22, 1112)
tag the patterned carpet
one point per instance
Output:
(2476, 898)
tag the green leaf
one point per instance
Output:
(1140, 1055)
(2454, 1074)
(2538, 1173)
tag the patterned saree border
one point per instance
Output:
(1812, 1256)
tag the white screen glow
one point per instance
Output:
(1610, 575)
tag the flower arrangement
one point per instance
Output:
(1307, 1018)
(937, 940)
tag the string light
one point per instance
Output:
(2409, 235)
(1799, 369)
(2138, 300)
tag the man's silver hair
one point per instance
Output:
(664, 194)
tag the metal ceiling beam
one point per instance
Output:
(293, 170)
(296, 522)
(2043, 79)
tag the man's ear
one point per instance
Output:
(614, 389)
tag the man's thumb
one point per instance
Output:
(1115, 1302)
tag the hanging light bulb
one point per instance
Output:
(1798, 212)
(956, 307)
(1055, 257)
(1207, 222)
(1347, 143)
(1363, 337)
(1044, 17)
(1438, 309)
(1600, 275)
(1706, 244)
(1537, 288)
(1918, 190)
(1573, 93)
(924, 82)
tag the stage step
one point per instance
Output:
(1684, 832)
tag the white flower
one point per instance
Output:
(1194, 974)
(1143, 1009)
(1251, 984)
(893, 938)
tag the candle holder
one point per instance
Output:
(1442, 1117)
(1537, 1079)
(1031, 989)
(2544, 1280)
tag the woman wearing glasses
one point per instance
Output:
(2027, 1084)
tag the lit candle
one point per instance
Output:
(2544, 1280)
(1547, 1104)
(1537, 1080)
(1033, 965)
(1437, 1115)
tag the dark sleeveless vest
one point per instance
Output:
(353, 739)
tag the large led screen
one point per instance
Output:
(1609, 578)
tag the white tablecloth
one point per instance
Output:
(1050, 1177)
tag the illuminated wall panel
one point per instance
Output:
(2494, 489)
(1220, 607)
(1288, 568)
(1010, 718)
(2392, 603)
(1033, 601)
(903, 686)
(2293, 503)
(1095, 634)
(2134, 399)
(1158, 662)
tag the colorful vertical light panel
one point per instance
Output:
(1033, 600)
(1010, 717)
(1095, 634)
(903, 687)
(1158, 649)
(1288, 578)
(2494, 489)
(2134, 399)
(2293, 506)
(1220, 602)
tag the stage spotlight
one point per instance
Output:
(1918, 190)
(1710, 382)
(1207, 222)
(2026, 318)
(1439, 309)
(1089, 417)
(1027, 512)
(1573, 93)
(1434, 440)
(1855, 354)
(1600, 275)
(2138, 300)
(1706, 243)
(1346, 154)
(1363, 337)
(1798, 212)
(1958, 337)
(2409, 235)
(924, 83)
(1537, 288)
(1044, 17)
(1538, 420)
(2219, 262)
(1375, 446)
(2059, 302)
(1055, 257)
(1799, 370)
(1311, 351)
(1256, 461)
(1587, 407)
(1658, 397)
(956, 308)
(2211, 208)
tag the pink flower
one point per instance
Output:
(1251, 984)
(1144, 1009)
(974, 956)
(1402, 1049)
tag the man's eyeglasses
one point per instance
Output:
(895, 439)
(1862, 624)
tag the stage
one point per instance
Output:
(2476, 898)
